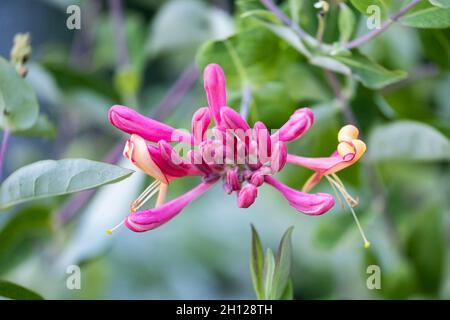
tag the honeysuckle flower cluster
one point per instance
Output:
(229, 151)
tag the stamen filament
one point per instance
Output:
(149, 192)
(354, 202)
(339, 186)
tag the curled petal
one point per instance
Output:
(215, 87)
(349, 150)
(247, 196)
(152, 218)
(232, 119)
(200, 123)
(132, 122)
(299, 122)
(347, 154)
(136, 151)
(310, 204)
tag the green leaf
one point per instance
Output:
(43, 128)
(346, 22)
(51, 178)
(14, 291)
(21, 233)
(268, 273)
(425, 15)
(371, 74)
(441, 3)
(288, 292)
(408, 140)
(257, 264)
(282, 265)
(362, 5)
(18, 104)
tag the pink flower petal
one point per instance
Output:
(299, 122)
(247, 196)
(215, 87)
(200, 123)
(310, 204)
(232, 119)
(152, 218)
(132, 122)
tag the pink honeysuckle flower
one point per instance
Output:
(349, 150)
(243, 158)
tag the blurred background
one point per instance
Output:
(149, 54)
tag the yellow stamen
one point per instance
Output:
(110, 231)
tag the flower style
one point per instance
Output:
(243, 158)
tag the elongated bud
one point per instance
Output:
(215, 87)
(262, 136)
(279, 156)
(247, 195)
(297, 125)
(200, 123)
(231, 119)
(232, 179)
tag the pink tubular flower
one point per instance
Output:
(243, 158)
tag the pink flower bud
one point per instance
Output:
(215, 87)
(233, 179)
(200, 122)
(297, 125)
(247, 195)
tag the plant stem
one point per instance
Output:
(386, 24)
(346, 109)
(119, 32)
(5, 141)
(321, 27)
(285, 19)
(245, 101)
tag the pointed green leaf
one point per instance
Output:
(14, 291)
(425, 15)
(257, 264)
(441, 3)
(51, 178)
(346, 22)
(18, 103)
(282, 265)
(371, 74)
(288, 292)
(268, 274)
